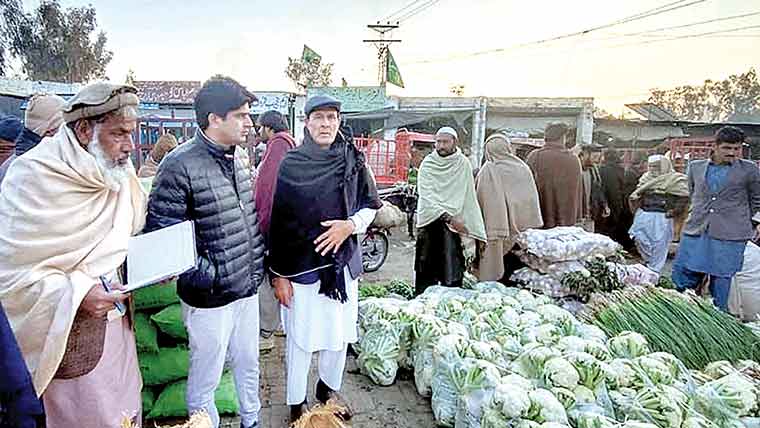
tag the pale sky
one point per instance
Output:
(251, 41)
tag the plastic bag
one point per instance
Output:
(148, 398)
(565, 243)
(167, 365)
(169, 321)
(538, 282)
(380, 352)
(470, 408)
(146, 335)
(423, 372)
(454, 378)
(156, 296)
(171, 401)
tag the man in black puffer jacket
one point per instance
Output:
(207, 180)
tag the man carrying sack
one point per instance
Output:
(66, 215)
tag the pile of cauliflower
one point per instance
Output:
(498, 357)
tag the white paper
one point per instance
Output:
(160, 255)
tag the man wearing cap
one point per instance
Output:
(558, 178)
(66, 214)
(449, 219)
(207, 180)
(661, 195)
(725, 193)
(10, 128)
(42, 119)
(325, 197)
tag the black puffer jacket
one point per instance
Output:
(203, 182)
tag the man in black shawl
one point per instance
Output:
(325, 196)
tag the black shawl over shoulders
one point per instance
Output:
(316, 185)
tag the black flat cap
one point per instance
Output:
(320, 102)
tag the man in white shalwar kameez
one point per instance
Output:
(325, 197)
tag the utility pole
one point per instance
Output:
(382, 43)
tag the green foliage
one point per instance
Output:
(713, 101)
(59, 45)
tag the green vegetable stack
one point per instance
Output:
(395, 288)
(163, 354)
(499, 357)
(687, 326)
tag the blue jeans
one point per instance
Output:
(719, 285)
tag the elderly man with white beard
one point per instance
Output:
(66, 216)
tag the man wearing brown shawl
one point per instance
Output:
(509, 200)
(558, 178)
(67, 214)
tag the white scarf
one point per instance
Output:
(61, 227)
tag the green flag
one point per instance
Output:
(392, 74)
(309, 55)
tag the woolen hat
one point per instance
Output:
(99, 98)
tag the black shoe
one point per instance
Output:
(297, 410)
(255, 425)
(325, 394)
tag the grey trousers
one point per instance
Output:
(269, 307)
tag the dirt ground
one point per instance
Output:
(397, 405)
(400, 261)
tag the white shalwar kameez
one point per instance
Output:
(652, 232)
(317, 323)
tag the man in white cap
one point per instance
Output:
(325, 196)
(42, 119)
(661, 195)
(449, 220)
(67, 211)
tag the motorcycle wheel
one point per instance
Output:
(374, 251)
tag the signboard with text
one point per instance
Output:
(278, 101)
(353, 98)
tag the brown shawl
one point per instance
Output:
(558, 180)
(508, 197)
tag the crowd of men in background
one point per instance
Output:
(465, 221)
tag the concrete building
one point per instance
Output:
(15, 93)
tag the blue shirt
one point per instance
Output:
(709, 255)
(716, 176)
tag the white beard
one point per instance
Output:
(113, 174)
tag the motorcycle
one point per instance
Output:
(375, 246)
(376, 243)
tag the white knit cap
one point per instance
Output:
(655, 158)
(447, 130)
